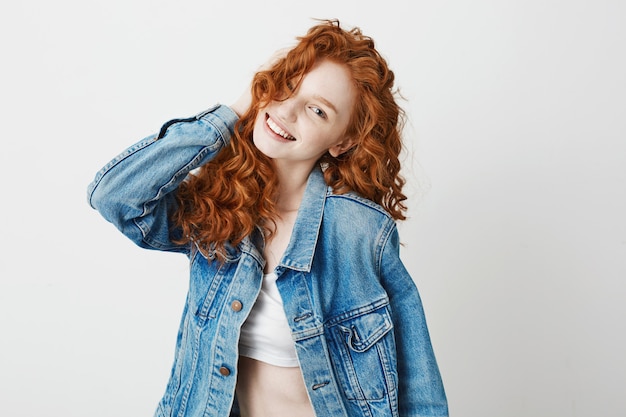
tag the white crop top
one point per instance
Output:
(265, 335)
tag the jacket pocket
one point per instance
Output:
(363, 355)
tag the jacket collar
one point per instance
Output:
(299, 252)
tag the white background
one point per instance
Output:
(517, 181)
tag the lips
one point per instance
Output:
(274, 127)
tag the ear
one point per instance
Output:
(342, 147)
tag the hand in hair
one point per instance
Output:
(242, 104)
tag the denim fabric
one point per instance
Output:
(355, 313)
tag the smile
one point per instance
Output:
(277, 129)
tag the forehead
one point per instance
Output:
(332, 82)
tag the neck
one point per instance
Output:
(292, 184)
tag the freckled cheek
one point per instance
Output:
(259, 126)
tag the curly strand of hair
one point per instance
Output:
(227, 198)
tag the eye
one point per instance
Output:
(319, 112)
(289, 85)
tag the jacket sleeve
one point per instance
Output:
(135, 190)
(421, 391)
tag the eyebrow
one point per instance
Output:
(326, 102)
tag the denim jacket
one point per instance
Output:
(355, 313)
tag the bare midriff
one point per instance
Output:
(265, 390)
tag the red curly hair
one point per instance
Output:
(236, 192)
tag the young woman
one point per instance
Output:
(285, 203)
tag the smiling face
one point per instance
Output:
(297, 131)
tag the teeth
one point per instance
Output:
(276, 129)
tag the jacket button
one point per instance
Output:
(236, 305)
(224, 371)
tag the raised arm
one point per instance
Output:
(135, 190)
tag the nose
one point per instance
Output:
(287, 110)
